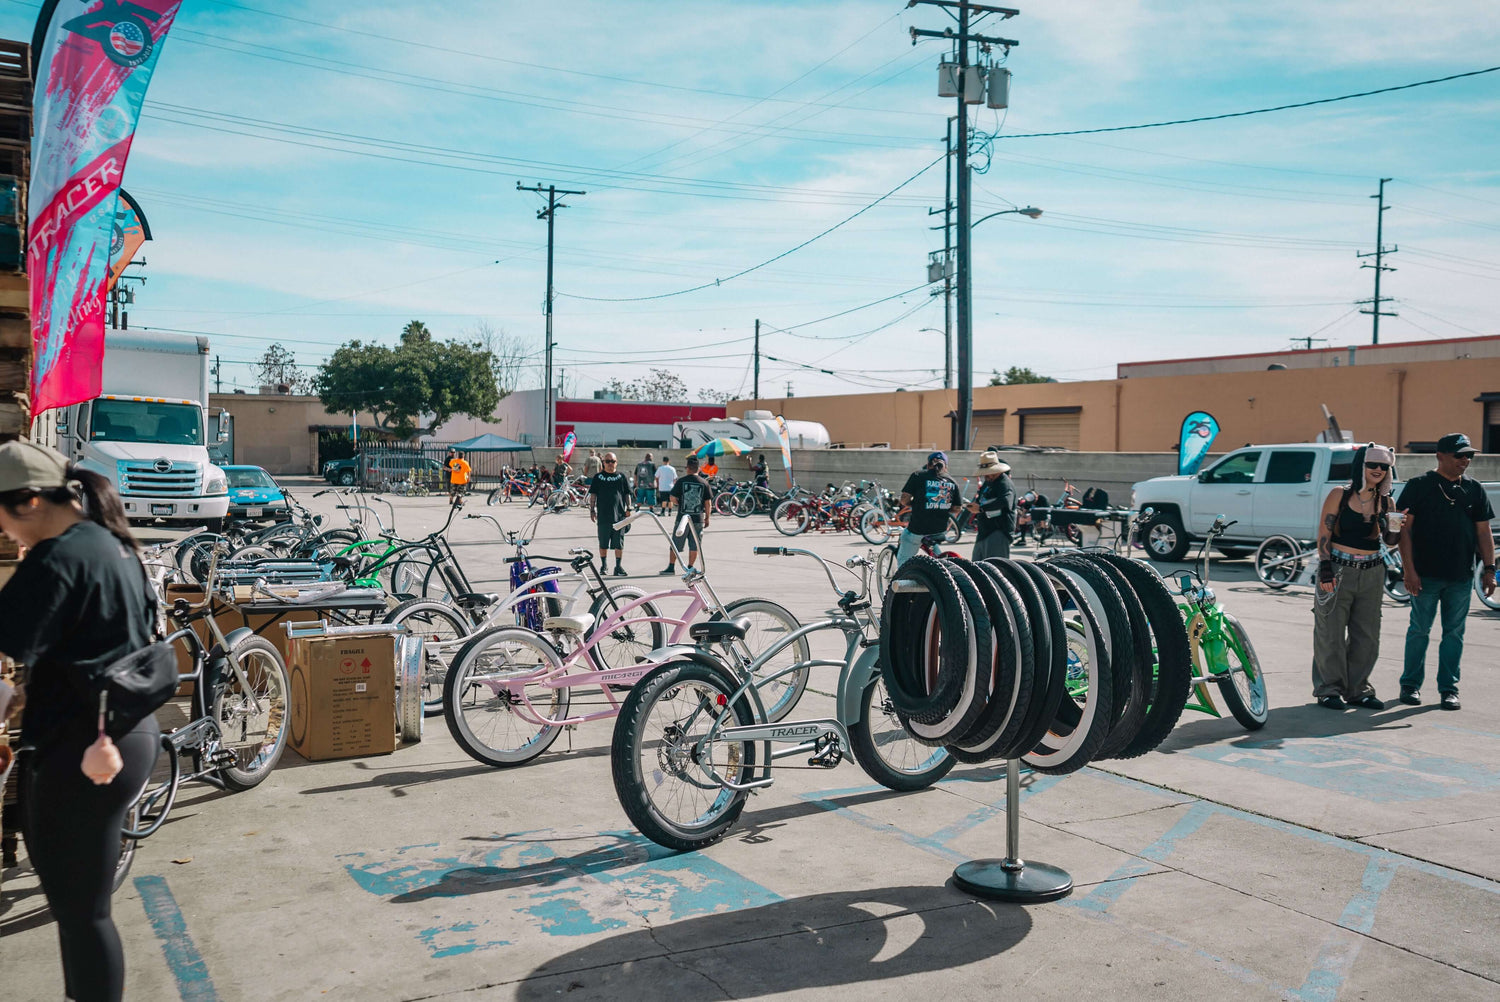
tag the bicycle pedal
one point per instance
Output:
(828, 758)
(223, 759)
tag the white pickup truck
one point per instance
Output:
(1265, 489)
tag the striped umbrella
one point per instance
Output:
(721, 447)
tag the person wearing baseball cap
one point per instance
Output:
(993, 508)
(1447, 526)
(76, 603)
(934, 497)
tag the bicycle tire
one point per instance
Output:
(790, 518)
(1488, 601)
(127, 847)
(1016, 662)
(631, 639)
(260, 739)
(1049, 684)
(1076, 732)
(1278, 561)
(1172, 677)
(494, 497)
(878, 736)
(1251, 707)
(1130, 655)
(466, 694)
(436, 623)
(770, 622)
(641, 773)
(875, 527)
(924, 693)
(744, 504)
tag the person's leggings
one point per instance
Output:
(72, 830)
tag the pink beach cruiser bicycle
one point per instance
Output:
(509, 690)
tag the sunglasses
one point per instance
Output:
(1378, 466)
(609, 462)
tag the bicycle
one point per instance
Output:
(684, 755)
(1281, 561)
(240, 711)
(508, 693)
(1220, 646)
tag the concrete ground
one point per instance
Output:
(1330, 855)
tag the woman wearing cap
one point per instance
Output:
(993, 508)
(76, 603)
(1351, 581)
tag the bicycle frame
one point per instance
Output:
(1209, 641)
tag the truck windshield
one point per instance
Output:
(144, 421)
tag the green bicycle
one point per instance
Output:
(1221, 649)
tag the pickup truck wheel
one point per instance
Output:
(346, 478)
(1165, 540)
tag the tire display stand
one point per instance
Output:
(978, 657)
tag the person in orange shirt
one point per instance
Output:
(458, 477)
(710, 468)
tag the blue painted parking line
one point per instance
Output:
(183, 960)
(1336, 956)
(1104, 895)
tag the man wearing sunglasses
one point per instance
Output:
(1447, 523)
(609, 501)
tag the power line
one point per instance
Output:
(1254, 111)
(756, 267)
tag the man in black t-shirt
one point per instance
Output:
(1447, 525)
(694, 496)
(609, 501)
(645, 483)
(933, 497)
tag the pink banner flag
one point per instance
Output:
(93, 62)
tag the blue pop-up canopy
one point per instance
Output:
(489, 442)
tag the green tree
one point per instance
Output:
(1017, 374)
(419, 380)
(278, 367)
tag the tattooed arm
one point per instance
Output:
(1327, 520)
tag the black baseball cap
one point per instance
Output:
(1457, 444)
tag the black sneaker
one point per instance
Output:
(619, 571)
(1369, 702)
(1331, 702)
(1450, 701)
(669, 570)
(1410, 696)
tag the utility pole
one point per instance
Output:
(755, 386)
(962, 39)
(1378, 254)
(947, 290)
(1307, 342)
(218, 380)
(549, 214)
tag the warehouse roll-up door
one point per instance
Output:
(989, 429)
(1491, 403)
(1057, 427)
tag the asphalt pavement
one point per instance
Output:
(1330, 855)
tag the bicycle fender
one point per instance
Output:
(235, 636)
(854, 683)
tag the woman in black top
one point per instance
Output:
(76, 603)
(1351, 582)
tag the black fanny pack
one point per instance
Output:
(136, 685)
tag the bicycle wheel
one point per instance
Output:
(954, 531)
(724, 503)
(252, 730)
(440, 626)
(494, 497)
(1278, 561)
(885, 750)
(1395, 587)
(127, 846)
(769, 623)
(744, 504)
(790, 518)
(495, 709)
(1244, 685)
(631, 639)
(876, 527)
(660, 769)
(885, 566)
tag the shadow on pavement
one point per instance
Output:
(1310, 721)
(463, 881)
(398, 781)
(818, 941)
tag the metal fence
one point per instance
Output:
(399, 462)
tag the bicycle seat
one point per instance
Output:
(716, 631)
(935, 538)
(569, 624)
(476, 598)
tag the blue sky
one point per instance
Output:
(318, 172)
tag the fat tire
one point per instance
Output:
(1172, 679)
(903, 642)
(1133, 661)
(1076, 732)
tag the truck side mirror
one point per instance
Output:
(223, 432)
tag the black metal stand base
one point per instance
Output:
(1029, 883)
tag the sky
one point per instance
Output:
(319, 172)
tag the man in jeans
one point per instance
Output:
(933, 497)
(1447, 523)
(645, 483)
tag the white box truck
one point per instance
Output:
(148, 430)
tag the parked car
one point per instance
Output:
(254, 494)
(344, 472)
(400, 466)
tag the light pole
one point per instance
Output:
(947, 354)
(963, 419)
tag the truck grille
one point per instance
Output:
(180, 480)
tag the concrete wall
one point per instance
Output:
(1114, 472)
(1415, 402)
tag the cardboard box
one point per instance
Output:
(343, 696)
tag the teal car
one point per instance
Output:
(255, 495)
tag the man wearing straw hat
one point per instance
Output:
(993, 508)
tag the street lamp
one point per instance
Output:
(963, 418)
(947, 354)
